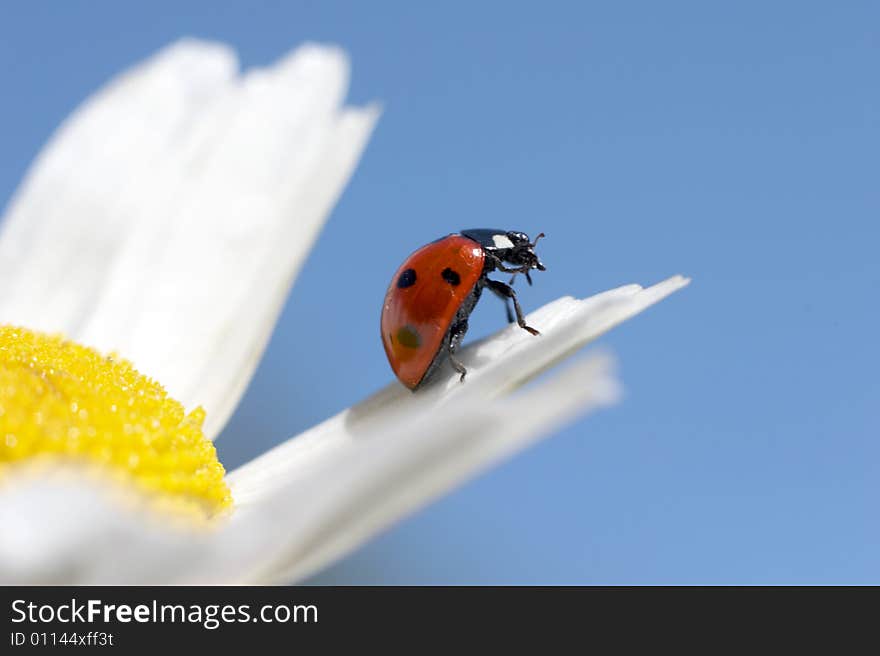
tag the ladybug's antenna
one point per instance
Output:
(539, 266)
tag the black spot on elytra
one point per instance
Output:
(451, 277)
(407, 279)
(409, 337)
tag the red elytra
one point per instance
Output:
(424, 316)
(420, 304)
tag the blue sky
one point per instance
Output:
(736, 143)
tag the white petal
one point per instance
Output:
(348, 478)
(69, 217)
(169, 215)
(510, 357)
(68, 526)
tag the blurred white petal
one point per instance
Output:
(169, 215)
(396, 469)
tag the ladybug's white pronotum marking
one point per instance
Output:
(502, 241)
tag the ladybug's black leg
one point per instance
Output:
(455, 337)
(514, 270)
(506, 269)
(525, 273)
(507, 291)
(505, 299)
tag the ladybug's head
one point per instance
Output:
(522, 253)
(511, 247)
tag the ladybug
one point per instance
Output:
(432, 294)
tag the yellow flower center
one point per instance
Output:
(62, 402)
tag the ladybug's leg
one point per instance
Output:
(506, 291)
(514, 270)
(506, 269)
(455, 337)
(504, 298)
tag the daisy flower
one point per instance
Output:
(143, 264)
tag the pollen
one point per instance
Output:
(63, 403)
